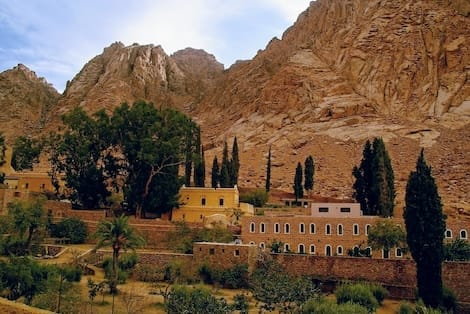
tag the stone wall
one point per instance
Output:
(225, 255)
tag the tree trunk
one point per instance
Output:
(139, 212)
(114, 280)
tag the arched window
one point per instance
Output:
(252, 227)
(339, 250)
(262, 246)
(328, 250)
(301, 227)
(301, 248)
(203, 201)
(312, 249)
(368, 251)
(367, 229)
(312, 228)
(327, 229)
(277, 228)
(286, 228)
(340, 229)
(286, 248)
(463, 234)
(398, 252)
(355, 229)
(449, 234)
(252, 243)
(262, 227)
(221, 201)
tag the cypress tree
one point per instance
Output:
(188, 161)
(215, 173)
(298, 188)
(225, 169)
(363, 175)
(425, 227)
(309, 173)
(200, 168)
(234, 164)
(268, 171)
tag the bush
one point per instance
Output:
(208, 275)
(406, 308)
(194, 300)
(257, 198)
(236, 277)
(379, 292)
(357, 293)
(240, 303)
(449, 300)
(72, 228)
(457, 250)
(324, 306)
(126, 263)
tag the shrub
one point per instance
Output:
(379, 292)
(236, 277)
(257, 198)
(357, 293)
(240, 303)
(72, 228)
(406, 308)
(194, 300)
(449, 300)
(208, 275)
(325, 306)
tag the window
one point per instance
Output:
(368, 251)
(236, 253)
(398, 252)
(286, 248)
(252, 227)
(328, 250)
(26, 185)
(221, 201)
(17, 194)
(262, 246)
(463, 234)
(252, 243)
(385, 253)
(323, 209)
(262, 227)
(301, 248)
(302, 228)
(367, 229)
(211, 251)
(286, 228)
(277, 228)
(327, 229)
(312, 249)
(355, 229)
(339, 250)
(340, 229)
(312, 228)
(448, 233)
(203, 201)
(345, 209)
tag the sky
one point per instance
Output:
(55, 38)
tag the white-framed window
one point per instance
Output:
(368, 251)
(463, 234)
(328, 250)
(286, 247)
(367, 229)
(301, 248)
(277, 228)
(286, 228)
(262, 227)
(252, 243)
(339, 228)
(327, 229)
(398, 252)
(301, 227)
(312, 228)
(252, 227)
(312, 249)
(355, 229)
(385, 254)
(339, 250)
(449, 234)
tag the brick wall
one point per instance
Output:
(225, 255)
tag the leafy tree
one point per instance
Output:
(257, 198)
(119, 235)
(183, 299)
(268, 171)
(199, 163)
(73, 228)
(298, 188)
(224, 177)
(425, 227)
(26, 152)
(309, 173)
(215, 173)
(385, 235)
(374, 180)
(234, 164)
(457, 250)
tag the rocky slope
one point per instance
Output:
(26, 102)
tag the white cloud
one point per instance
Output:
(289, 9)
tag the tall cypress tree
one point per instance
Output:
(234, 164)
(225, 169)
(425, 227)
(298, 188)
(268, 171)
(199, 164)
(309, 173)
(215, 173)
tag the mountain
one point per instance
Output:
(347, 70)
(26, 102)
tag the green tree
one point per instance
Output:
(374, 180)
(26, 152)
(385, 235)
(72, 228)
(298, 188)
(268, 171)
(224, 177)
(257, 198)
(425, 227)
(457, 250)
(183, 299)
(309, 174)
(3, 149)
(199, 164)
(119, 235)
(215, 173)
(234, 164)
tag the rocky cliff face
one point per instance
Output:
(26, 102)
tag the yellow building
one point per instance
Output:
(203, 205)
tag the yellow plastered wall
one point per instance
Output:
(199, 203)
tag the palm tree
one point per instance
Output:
(118, 234)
